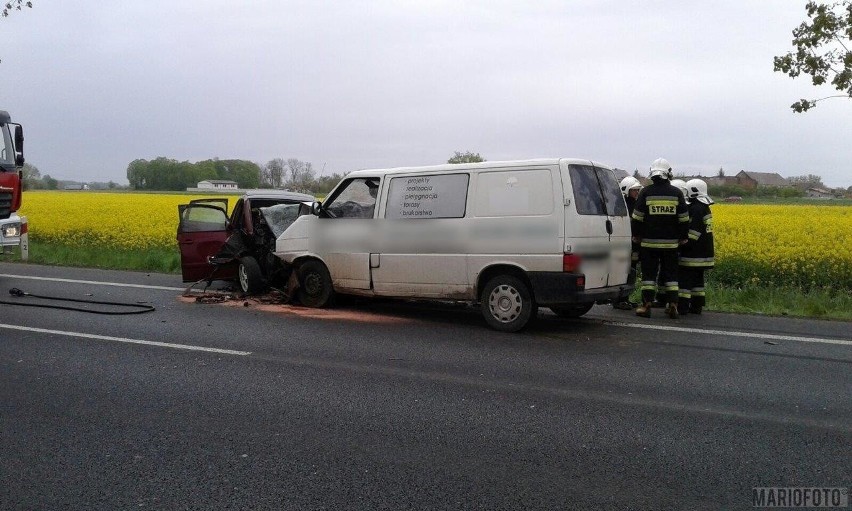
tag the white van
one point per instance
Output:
(511, 235)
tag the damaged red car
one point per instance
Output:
(239, 247)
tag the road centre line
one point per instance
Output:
(732, 333)
(125, 340)
(95, 282)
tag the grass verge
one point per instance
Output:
(156, 260)
(822, 303)
(819, 303)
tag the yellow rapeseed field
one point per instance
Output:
(783, 244)
(124, 221)
(778, 244)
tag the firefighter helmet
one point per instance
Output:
(680, 184)
(697, 189)
(629, 183)
(661, 168)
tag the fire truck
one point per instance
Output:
(13, 228)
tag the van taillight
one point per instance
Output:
(570, 262)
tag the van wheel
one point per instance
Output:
(315, 288)
(507, 303)
(250, 277)
(572, 311)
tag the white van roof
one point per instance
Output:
(457, 167)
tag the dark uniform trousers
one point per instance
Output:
(691, 293)
(660, 262)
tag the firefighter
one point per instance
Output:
(660, 222)
(696, 256)
(660, 298)
(630, 187)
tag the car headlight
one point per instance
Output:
(11, 230)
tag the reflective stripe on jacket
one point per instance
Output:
(660, 216)
(698, 252)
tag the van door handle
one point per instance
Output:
(609, 227)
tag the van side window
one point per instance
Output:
(587, 191)
(615, 205)
(357, 199)
(427, 196)
(523, 192)
(596, 192)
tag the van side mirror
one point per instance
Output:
(316, 208)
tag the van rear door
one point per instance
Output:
(619, 239)
(596, 224)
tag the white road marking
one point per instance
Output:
(731, 333)
(95, 282)
(126, 340)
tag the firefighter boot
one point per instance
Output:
(683, 306)
(644, 310)
(671, 310)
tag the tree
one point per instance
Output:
(636, 174)
(324, 184)
(806, 181)
(272, 174)
(15, 5)
(50, 183)
(466, 157)
(822, 50)
(137, 174)
(299, 175)
(32, 177)
(721, 172)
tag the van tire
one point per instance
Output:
(249, 276)
(507, 303)
(572, 311)
(315, 287)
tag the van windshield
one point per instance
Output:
(357, 199)
(596, 191)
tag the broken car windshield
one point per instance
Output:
(280, 216)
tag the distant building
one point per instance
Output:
(720, 180)
(760, 179)
(819, 193)
(217, 184)
(76, 186)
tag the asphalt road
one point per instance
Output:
(392, 405)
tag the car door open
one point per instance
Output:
(202, 231)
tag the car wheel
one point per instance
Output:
(250, 277)
(507, 303)
(315, 288)
(572, 311)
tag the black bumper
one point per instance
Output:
(559, 288)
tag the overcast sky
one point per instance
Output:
(351, 85)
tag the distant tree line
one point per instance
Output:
(167, 174)
(296, 175)
(33, 180)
